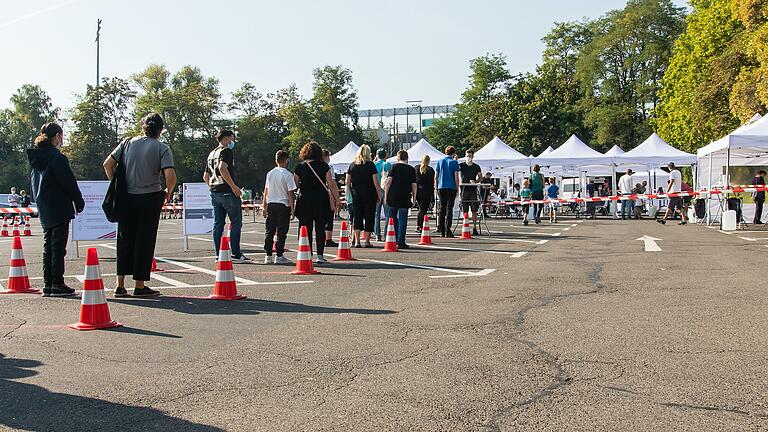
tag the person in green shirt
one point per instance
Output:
(537, 192)
(525, 195)
(245, 196)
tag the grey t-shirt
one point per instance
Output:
(145, 159)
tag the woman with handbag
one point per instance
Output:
(318, 195)
(144, 160)
(58, 198)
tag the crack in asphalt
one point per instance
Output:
(688, 406)
(8, 334)
(559, 375)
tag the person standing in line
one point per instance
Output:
(329, 222)
(146, 159)
(362, 179)
(625, 189)
(246, 200)
(24, 199)
(675, 185)
(279, 208)
(382, 169)
(552, 192)
(448, 179)
(13, 198)
(318, 195)
(58, 199)
(220, 177)
(470, 198)
(537, 192)
(425, 190)
(525, 195)
(400, 194)
(759, 197)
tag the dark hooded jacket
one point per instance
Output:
(54, 187)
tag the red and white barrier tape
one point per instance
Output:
(18, 210)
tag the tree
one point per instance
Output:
(485, 99)
(621, 69)
(102, 117)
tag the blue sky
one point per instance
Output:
(397, 50)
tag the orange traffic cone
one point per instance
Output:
(16, 232)
(304, 258)
(18, 279)
(4, 232)
(155, 268)
(466, 234)
(94, 312)
(390, 242)
(225, 287)
(27, 228)
(345, 252)
(426, 237)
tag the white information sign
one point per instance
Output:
(92, 224)
(198, 211)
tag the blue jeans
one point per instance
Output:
(227, 204)
(627, 206)
(377, 225)
(400, 215)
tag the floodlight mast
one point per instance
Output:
(98, 46)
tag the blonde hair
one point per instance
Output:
(363, 155)
(424, 164)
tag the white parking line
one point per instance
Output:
(483, 272)
(169, 281)
(512, 254)
(537, 242)
(557, 234)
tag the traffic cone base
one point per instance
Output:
(345, 252)
(304, 258)
(426, 237)
(225, 287)
(94, 311)
(390, 244)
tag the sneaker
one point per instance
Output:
(242, 259)
(683, 223)
(282, 260)
(378, 238)
(320, 259)
(269, 259)
(403, 246)
(46, 292)
(474, 231)
(449, 234)
(661, 221)
(331, 244)
(61, 291)
(525, 222)
(121, 292)
(145, 292)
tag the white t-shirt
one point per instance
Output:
(677, 181)
(625, 184)
(279, 183)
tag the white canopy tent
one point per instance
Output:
(746, 146)
(341, 160)
(417, 152)
(654, 152)
(546, 151)
(615, 151)
(500, 158)
(573, 153)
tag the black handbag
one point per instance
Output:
(117, 189)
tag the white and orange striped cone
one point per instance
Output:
(426, 236)
(304, 258)
(18, 279)
(16, 232)
(390, 242)
(225, 287)
(466, 233)
(155, 268)
(345, 252)
(94, 312)
(27, 228)
(4, 232)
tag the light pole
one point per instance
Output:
(415, 103)
(98, 46)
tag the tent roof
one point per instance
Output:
(655, 151)
(573, 152)
(497, 150)
(547, 151)
(418, 151)
(342, 158)
(615, 151)
(749, 139)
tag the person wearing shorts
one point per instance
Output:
(675, 185)
(552, 192)
(525, 195)
(470, 199)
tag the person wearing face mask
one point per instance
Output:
(58, 198)
(225, 194)
(470, 173)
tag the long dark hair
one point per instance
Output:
(45, 138)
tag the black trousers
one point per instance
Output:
(364, 210)
(424, 199)
(445, 217)
(137, 234)
(278, 221)
(537, 208)
(54, 250)
(759, 211)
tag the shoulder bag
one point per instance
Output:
(117, 189)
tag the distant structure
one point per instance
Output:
(392, 135)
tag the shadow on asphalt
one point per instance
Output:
(142, 332)
(34, 408)
(203, 306)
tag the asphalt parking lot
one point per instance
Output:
(568, 326)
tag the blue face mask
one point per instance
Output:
(231, 145)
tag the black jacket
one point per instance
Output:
(54, 187)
